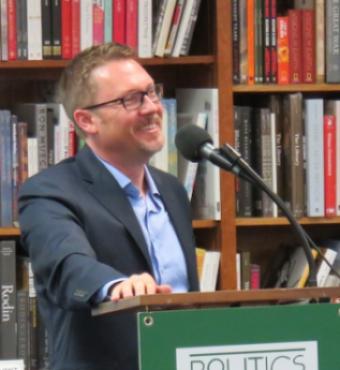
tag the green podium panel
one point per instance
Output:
(281, 337)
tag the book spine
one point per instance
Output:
(8, 338)
(259, 56)
(6, 194)
(98, 22)
(66, 29)
(308, 45)
(4, 30)
(314, 158)
(330, 165)
(251, 41)
(56, 29)
(282, 50)
(236, 41)
(46, 28)
(75, 27)
(190, 28)
(267, 26)
(131, 23)
(119, 29)
(12, 29)
(145, 28)
(332, 41)
(108, 20)
(273, 41)
(295, 45)
(320, 39)
(174, 27)
(34, 30)
(23, 326)
(22, 150)
(41, 122)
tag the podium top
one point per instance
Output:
(219, 298)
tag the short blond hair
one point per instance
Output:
(75, 88)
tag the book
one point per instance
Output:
(162, 30)
(245, 270)
(21, 26)
(132, 23)
(329, 138)
(324, 268)
(170, 105)
(308, 46)
(46, 20)
(315, 197)
(8, 337)
(206, 196)
(35, 114)
(86, 26)
(176, 19)
(108, 20)
(75, 27)
(332, 52)
(56, 29)
(66, 29)
(236, 41)
(98, 22)
(283, 73)
(187, 170)
(6, 170)
(34, 30)
(118, 20)
(22, 320)
(11, 29)
(12, 365)
(145, 28)
(295, 45)
(4, 30)
(320, 40)
(210, 268)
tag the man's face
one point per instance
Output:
(128, 135)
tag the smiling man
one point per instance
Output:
(103, 225)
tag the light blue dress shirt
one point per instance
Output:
(165, 251)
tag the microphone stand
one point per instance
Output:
(235, 163)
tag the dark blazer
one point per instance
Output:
(80, 232)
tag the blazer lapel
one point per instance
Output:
(102, 185)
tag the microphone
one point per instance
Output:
(195, 144)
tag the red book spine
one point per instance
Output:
(131, 23)
(267, 61)
(118, 19)
(295, 45)
(12, 32)
(72, 147)
(255, 276)
(282, 50)
(251, 41)
(308, 45)
(330, 165)
(98, 24)
(75, 27)
(66, 29)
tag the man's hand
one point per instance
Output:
(137, 285)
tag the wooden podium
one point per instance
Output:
(270, 329)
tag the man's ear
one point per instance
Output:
(85, 120)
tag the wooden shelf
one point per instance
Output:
(59, 64)
(274, 88)
(197, 224)
(9, 231)
(271, 221)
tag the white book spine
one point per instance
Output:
(182, 28)
(210, 271)
(165, 28)
(145, 28)
(86, 24)
(34, 30)
(32, 156)
(274, 159)
(314, 157)
(108, 20)
(3, 33)
(12, 365)
(324, 269)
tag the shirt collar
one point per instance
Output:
(125, 182)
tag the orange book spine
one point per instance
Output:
(251, 41)
(282, 50)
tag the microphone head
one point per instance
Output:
(189, 141)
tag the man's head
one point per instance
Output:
(115, 103)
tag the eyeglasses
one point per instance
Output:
(134, 100)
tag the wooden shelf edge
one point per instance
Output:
(196, 224)
(9, 231)
(274, 88)
(281, 221)
(59, 64)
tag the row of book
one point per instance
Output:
(293, 143)
(275, 43)
(293, 269)
(248, 273)
(32, 137)
(22, 333)
(60, 29)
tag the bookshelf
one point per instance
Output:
(208, 65)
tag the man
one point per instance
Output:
(102, 225)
